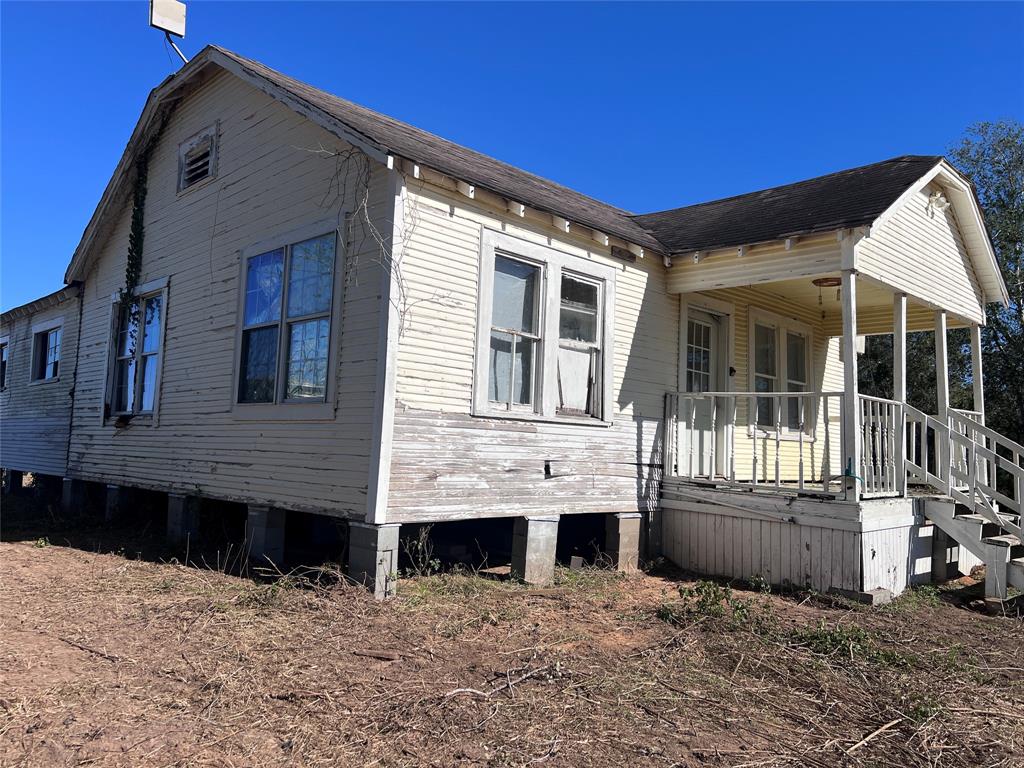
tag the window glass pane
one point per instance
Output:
(307, 359)
(52, 353)
(793, 407)
(765, 406)
(311, 276)
(764, 350)
(148, 394)
(511, 369)
(515, 294)
(796, 357)
(578, 319)
(124, 385)
(151, 331)
(3, 365)
(576, 379)
(128, 330)
(259, 365)
(263, 287)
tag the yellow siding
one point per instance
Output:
(827, 376)
(922, 254)
(447, 463)
(269, 182)
(813, 255)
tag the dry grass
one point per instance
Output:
(110, 661)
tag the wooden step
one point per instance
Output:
(986, 528)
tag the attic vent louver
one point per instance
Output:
(197, 158)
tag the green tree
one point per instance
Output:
(992, 156)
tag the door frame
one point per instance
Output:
(726, 363)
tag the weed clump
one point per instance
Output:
(844, 642)
(707, 600)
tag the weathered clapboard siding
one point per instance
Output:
(766, 263)
(784, 543)
(35, 416)
(270, 182)
(876, 544)
(921, 252)
(448, 464)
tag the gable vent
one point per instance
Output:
(197, 158)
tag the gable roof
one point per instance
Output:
(847, 199)
(404, 140)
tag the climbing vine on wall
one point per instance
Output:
(137, 232)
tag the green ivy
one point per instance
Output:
(137, 233)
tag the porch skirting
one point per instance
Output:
(822, 545)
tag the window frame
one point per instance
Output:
(159, 287)
(552, 262)
(39, 328)
(782, 326)
(211, 132)
(5, 373)
(283, 409)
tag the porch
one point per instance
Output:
(769, 429)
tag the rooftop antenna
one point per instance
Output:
(169, 16)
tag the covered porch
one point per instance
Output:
(769, 398)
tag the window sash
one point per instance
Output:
(592, 350)
(285, 323)
(547, 342)
(136, 371)
(779, 378)
(3, 365)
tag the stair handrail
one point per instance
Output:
(942, 480)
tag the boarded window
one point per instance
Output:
(46, 354)
(286, 323)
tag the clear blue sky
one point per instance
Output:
(644, 106)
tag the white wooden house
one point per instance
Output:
(341, 314)
(38, 347)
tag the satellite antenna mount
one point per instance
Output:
(169, 16)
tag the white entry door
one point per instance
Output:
(704, 417)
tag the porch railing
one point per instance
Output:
(775, 440)
(882, 446)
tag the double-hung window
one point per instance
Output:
(137, 351)
(285, 351)
(543, 329)
(780, 362)
(515, 333)
(4, 352)
(46, 353)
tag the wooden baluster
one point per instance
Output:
(778, 440)
(826, 454)
(800, 426)
(732, 441)
(752, 418)
(714, 437)
(693, 430)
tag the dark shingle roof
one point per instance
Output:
(850, 198)
(398, 138)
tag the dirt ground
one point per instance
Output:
(109, 660)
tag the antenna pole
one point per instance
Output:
(176, 49)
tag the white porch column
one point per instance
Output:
(899, 384)
(941, 366)
(977, 376)
(851, 411)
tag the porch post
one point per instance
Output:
(851, 422)
(899, 385)
(941, 367)
(977, 375)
